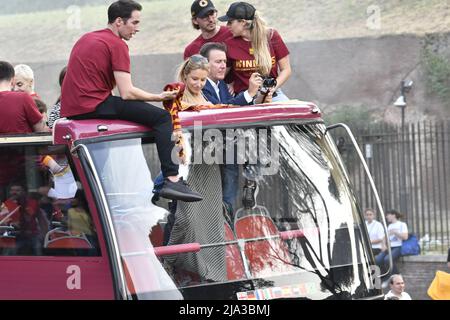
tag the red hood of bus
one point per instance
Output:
(71, 130)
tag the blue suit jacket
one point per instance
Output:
(225, 96)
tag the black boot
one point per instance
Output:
(249, 194)
(179, 191)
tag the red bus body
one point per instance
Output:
(102, 276)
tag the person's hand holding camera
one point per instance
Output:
(265, 98)
(255, 83)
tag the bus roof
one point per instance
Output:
(235, 116)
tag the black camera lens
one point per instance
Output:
(269, 82)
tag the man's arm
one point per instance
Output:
(247, 96)
(399, 234)
(375, 241)
(379, 233)
(129, 92)
(40, 126)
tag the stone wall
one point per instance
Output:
(358, 71)
(419, 271)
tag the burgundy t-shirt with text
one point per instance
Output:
(242, 62)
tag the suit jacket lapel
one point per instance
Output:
(210, 93)
(224, 95)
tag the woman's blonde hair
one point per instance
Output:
(26, 72)
(260, 43)
(192, 63)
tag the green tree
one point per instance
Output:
(437, 73)
(356, 117)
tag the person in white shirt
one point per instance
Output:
(397, 291)
(398, 231)
(375, 229)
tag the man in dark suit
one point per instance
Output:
(216, 90)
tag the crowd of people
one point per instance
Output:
(397, 233)
(223, 65)
(242, 63)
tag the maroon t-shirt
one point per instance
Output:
(195, 46)
(90, 73)
(242, 61)
(18, 112)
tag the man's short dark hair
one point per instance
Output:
(6, 71)
(62, 75)
(122, 9)
(17, 183)
(392, 277)
(394, 212)
(207, 47)
(42, 107)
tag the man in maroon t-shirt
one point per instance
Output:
(204, 18)
(99, 61)
(19, 113)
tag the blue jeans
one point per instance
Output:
(230, 180)
(280, 96)
(230, 183)
(382, 260)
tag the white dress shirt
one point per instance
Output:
(247, 96)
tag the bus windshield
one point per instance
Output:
(278, 218)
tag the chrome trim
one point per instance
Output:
(256, 123)
(372, 185)
(378, 297)
(110, 226)
(25, 139)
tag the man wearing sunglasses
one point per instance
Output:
(204, 18)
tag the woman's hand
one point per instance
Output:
(264, 98)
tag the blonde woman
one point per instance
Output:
(255, 48)
(194, 73)
(24, 80)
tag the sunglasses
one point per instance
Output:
(197, 58)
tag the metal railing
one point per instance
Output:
(409, 166)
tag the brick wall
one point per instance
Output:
(418, 273)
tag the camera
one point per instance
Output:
(268, 83)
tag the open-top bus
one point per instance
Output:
(95, 232)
